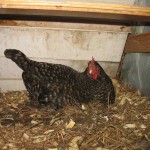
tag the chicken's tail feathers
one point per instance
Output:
(18, 57)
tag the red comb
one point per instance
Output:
(92, 60)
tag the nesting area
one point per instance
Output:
(124, 125)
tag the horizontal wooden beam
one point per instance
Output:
(68, 26)
(82, 10)
(138, 43)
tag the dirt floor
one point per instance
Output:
(124, 125)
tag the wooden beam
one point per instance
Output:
(138, 43)
(83, 10)
(67, 26)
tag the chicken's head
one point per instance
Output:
(93, 70)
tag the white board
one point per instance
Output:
(72, 47)
(63, 44)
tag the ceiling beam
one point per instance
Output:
(72, 10)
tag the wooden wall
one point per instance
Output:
(65, 43)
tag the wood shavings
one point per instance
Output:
(48, 131)
(143, 126)
(83, 107)
(124, 126)
(74, 142)
(147, 116)
(123, 101)
(14, 105)
(106, 118)
(121, 117)
(34, 122)
(10, 146)
(70, 124)
(37, 141)
(100, 148)
(129, 126)
(25, 137)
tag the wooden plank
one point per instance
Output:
(67, 26)
(64, 44)
(138, 43)
(82, 10)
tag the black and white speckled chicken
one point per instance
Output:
(57, 85)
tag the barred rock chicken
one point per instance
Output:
(57, 85)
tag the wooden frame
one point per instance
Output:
(82, 10)
(135, 44)
(138, 43)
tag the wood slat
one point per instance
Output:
(67, 26)
(75, 10)
(138, 43)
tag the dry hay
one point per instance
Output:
(124, 126)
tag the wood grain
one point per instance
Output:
(75, 10)
(138, 43)
(67, 26)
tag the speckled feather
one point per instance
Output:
(58, 85)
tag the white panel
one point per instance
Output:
(11, 85)
(9, 70)
(64, 44)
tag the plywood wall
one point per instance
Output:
(69, 44)
(63, 44)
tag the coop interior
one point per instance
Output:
(114, 33)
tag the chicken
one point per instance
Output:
(58, 85)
